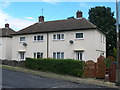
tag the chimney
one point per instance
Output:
(78, 14)
(41, 19)
(6, 25)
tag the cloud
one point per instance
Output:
(15, 23)
(4, 5)
(30, 18)
(83, 5)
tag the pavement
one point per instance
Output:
(89, 81)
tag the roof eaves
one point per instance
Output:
(53, 31)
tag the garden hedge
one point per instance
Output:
(60, 66)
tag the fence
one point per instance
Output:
(98, 70)
(95, 70)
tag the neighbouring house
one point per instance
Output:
(6, 42)
(72, 38)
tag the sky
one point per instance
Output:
(22, 14)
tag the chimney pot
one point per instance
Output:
(41, 19)
(6, 25)
(78, 14)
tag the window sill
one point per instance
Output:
(37, 41)
(79, 38)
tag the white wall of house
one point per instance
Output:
(31, 48)
(88, 45)
(6, 48)
(91, 45)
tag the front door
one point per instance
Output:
(22, 56)
(79, 55)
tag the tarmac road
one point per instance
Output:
(15, 79)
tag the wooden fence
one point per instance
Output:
(98, 70)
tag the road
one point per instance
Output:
(14, 79)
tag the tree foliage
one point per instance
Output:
(104, 19)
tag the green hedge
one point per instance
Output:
(61, 66)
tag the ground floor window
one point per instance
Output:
(38, 55)
(58, 55)
(79, 55)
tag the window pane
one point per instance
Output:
(22, 38)
(34, 55)
(62, 55)
(54, 37)
(41, 37)
(38, 54)
(54, 55)
(41, 55)
(79, 35)
(38, 38)
(62, 36)
(58, 36)
(35, 38)
(58, 55)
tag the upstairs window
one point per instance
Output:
(79, 36)
(38, 38)
(58, 37)
(22, 39)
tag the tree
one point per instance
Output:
(104, 19)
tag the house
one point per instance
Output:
(6, 42)
(72, 38)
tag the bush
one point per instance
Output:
(60, 66)
(108, 62)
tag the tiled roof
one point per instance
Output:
(59, 25)
(6, 32)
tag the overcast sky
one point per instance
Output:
(22, 14)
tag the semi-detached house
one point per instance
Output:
(72, 38)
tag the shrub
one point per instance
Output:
(61, 66)
(108, 62)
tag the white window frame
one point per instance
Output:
(37, 38)
(35, 54)
(79, 38)
(22, 37)
(56, 55)
(56, 36)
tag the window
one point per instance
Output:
(79, 36)
(58, 37)
(54, 55)
(38, 55)
(54, 37)
(22, 39)
(58, 55)
(35, 38)
(38, 38)
(101, 38)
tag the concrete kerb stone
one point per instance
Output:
(89, 81)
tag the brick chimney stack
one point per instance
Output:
(6, 25)
(78, 14)
(41, 19)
